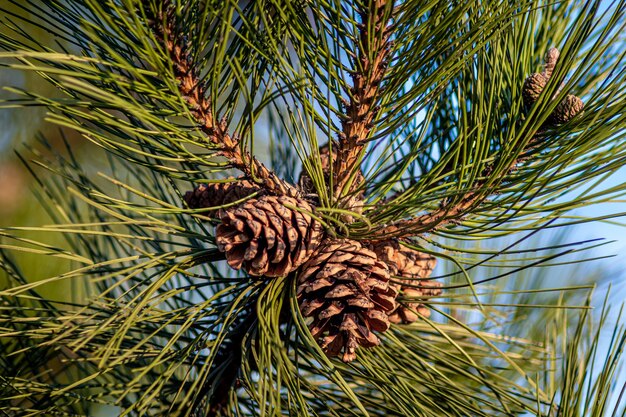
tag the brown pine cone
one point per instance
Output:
(566, 110)
(535, 83)
(533, 86)
(404, 262)
(410, 267)
(214, 195)
(264, 237)
(410, 311)
(346, 290)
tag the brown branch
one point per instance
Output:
(361, 110)
(453, 211)
(195, 94)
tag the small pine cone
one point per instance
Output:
(533, 86)
(535, 83)
(412, 267)
(346, 290)
(219, 194)
(264, 237)
(566, 110)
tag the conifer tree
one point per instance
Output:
(342, 272)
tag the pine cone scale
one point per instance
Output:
(251, 250)
(300, 250)
(332, 310)
(379, 321)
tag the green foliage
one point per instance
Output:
(168, 329)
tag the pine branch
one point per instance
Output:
(361, 110)
(453, 210)
(168, 334)
(194, 91)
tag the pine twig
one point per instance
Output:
(453, 212)
(163, 25)
(361, 110)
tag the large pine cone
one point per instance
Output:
(214, 195)
(264, 237)
(410, 269)
(346, 289)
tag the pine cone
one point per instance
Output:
(264, 237)
(411, 268)
(535, 83)
(404, 262)
(346, 290)
(533, 86)
(219, 194)
(567, 109)
(411, 311)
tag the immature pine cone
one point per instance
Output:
(533, 86)
(566, 110)
(535, 83)
(409, 268)
(214, 195)
(264, 237)
(346, 290)
(551, 58)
